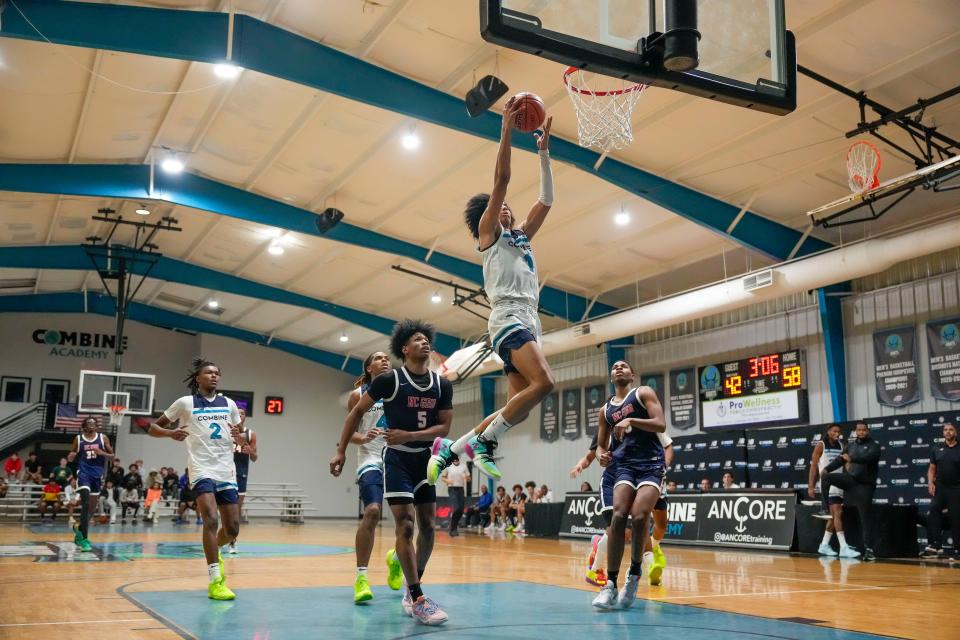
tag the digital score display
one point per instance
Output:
(761, 390)
(274, 405)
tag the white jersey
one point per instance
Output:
(509, 270)
(830, 453)
(209, 446)
(370, 454)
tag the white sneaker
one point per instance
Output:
(428, 612)
(407, 602)
(826, 550)
(607, 598)
(232, 548)
(628, 594)
(502, 527)
(848, 552)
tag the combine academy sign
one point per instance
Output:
(77, 344)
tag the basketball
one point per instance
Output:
(531, 114)
(104, 519)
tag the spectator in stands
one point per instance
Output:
(61, 473)
(498, 511)
(108, 501)
(115, 476)
(861, 459)
(34, 472)
(586, 487)
(515, 510)
(728, 482)
(187, 499)
(533, 495)
(185, 480)
(134, 479)
(457, 479)
(943, 484)
(151, 503)
(71, 498)
(545, 494)
(705, 484)
(671, 486)
(479, 514)
(170, 482)
(13, 467)
(50, 499)
(72, 463)
(129, 499)
(3, 488)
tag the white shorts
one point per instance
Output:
(508, 318)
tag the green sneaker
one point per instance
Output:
(218, 590)
(223, 571)
(659, 564)
(394, 571)
(441, 457)
(361, 589)
(85, 545)
(77, 536)
(480, 450)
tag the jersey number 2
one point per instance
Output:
(216, 431)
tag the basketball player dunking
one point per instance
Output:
(370, 445)
(244, 452)
(510, 280)
(209, 424)
(93, 450)
(418, 406)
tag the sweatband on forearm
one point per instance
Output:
(546, 179)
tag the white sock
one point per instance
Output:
(497, 428)
(361, 571)
(842, 538)
(827, 537)
(647, 559)
(654, 543)
(600, 560)
(460, 446)
(213, 570)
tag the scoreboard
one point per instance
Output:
(760, 391)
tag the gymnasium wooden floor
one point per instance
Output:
(295, 582)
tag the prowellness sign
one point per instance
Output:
(77, 344)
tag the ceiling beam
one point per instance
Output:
(259, 46)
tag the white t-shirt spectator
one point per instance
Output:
(457, 475)
(548, 497)
(70, 494)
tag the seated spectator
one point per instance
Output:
(498, 511)
(185, 480)
(515, 510)
(585, 487)
(13, 467)
(73, 463)
(705, 484)
(71, 499)
(533, 495)
(61, 473)
(34, 472)
(107, 502)
(50, 499)
(115, 476)
(187, 500)
(152, 502)
(171, 483)
(3, 488)
(153, 476)
(671, 486)
(728, 482)
(479, 514)
(129, 499)
(545, 494)
(133, 479)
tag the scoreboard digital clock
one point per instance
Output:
(763, 390)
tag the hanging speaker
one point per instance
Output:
(484, 94)
(328, 219)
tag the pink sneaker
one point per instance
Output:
(426, 611)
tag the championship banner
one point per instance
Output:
(549, 422)
(895, 366)
(656, 382)
(943, 345)
(570, 419)
(683, 398)
(594, 397)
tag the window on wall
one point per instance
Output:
(14, 389)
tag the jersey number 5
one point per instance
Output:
(421, 419)
(216, 431)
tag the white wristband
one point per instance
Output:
(546, 179)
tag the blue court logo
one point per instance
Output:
(680, 381)
(893, 345)
(949, 335)
(710, 378)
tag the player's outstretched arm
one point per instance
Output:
(159, 429)
(541, 207)
(489, 226)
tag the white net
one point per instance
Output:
(863, 166)
(116, 415)
(604, 107)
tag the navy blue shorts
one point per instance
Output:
(638, 476)
(92, 482)
(371, 487)
(405, 477)
(834, 499)
(242, 484)
(515, 340)
(607, 480)
(224, 492)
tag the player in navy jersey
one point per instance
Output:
(93, 450)
(512, 285)
(418, 407)
(244, 453)
(630, 422)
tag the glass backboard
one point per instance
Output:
(100, 389)
(744, 55)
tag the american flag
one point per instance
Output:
(67, 418)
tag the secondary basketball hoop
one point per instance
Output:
(604, 114)
(863, 167)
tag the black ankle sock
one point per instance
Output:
(635, 569)
(415, 591)
(612, 577)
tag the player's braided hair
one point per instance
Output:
(197, 366)
(474, 211)
(365, 377)
(404, 330)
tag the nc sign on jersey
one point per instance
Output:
(765, 408)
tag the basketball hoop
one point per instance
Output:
(863, 167)
(117, 412)
(604, 116)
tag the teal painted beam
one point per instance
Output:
(829, 302)
(171, 270)
(202, 36)
(103, 305)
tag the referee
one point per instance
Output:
(860, 460)
(457, 477)
(943, 480)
